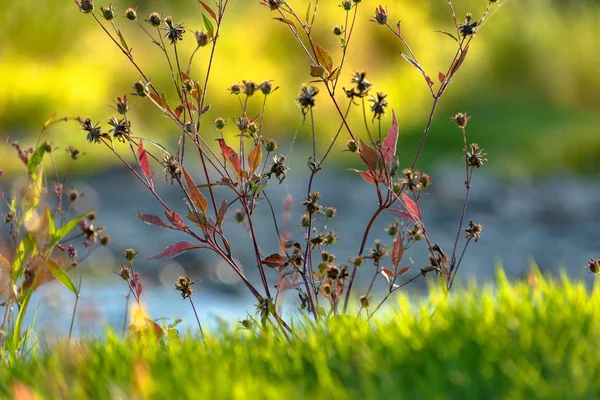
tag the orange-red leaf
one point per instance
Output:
(197, 198)
(323, 58)
(412, 208)
(387, 274)
(174, 249)
(402, 271)
(368, 155)
(390, 142)
(254, 158)
(441, 77)
(274, 260)
(231, 156)
(175, 219)
(209, 10)
(144, 163)
(152, 220)
(397, 251)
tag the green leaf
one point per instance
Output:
(33, 192)
(22, 310)
(61, 275)
(27, 249)
(51, 227)
(35, 160)
(209, 26)
(67, 228)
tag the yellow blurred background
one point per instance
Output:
(531, 80)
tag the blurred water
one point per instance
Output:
(552, 222)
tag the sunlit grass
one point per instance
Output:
(535, 339)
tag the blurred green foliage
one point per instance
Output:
(531, 340)
(530, 80)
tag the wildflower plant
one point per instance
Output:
(45, 238)
(242, 173)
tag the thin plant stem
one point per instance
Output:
(197, 319)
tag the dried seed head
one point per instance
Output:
(346, 5)
(202, 38)
(330, 212)
(236, 88)
(130, 254)
(337, 30)
(122, 106)
(73, 153)
(131, 14)
(154, 19)
(379, 105)
(125, 273)
(140, 89)
(475, 157)
(468, 28)
(473, 231)
(306, 98)
(94, 132)
(250, 88)
(461, 119)
(174, 31)
(352, 146)
(108, 12)
(362, 85)
(273, 4)
(381, 16)
(220, 123)
(121, 129)
(172, 168)
(365, 301)
(104, 240)
(270, 145)
(184, 285)
(71, 252)
(278, 168)
(392, 229)
(239, 215)
(85, 6)
(594, 266)
(73, 195)
(267, 88)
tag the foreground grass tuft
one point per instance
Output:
(538, 339)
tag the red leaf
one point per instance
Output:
(174, 249)
(152, 220)
(274, 260)
(402, 271)
(366, 175)
(397, 251)
(368, 156)
(175, 219)
(413, 208)
(189, 106)
(144, 163)
(138, 289)
(323, 58)
(178, 111)
(387, 274)
(390, 142)
(157, 329)
(231, 156)
(254, 158)
(209, 10)
(221, 214)
(441, 77)
(197, 198)
(403, 213)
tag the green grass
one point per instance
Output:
(537, 339)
